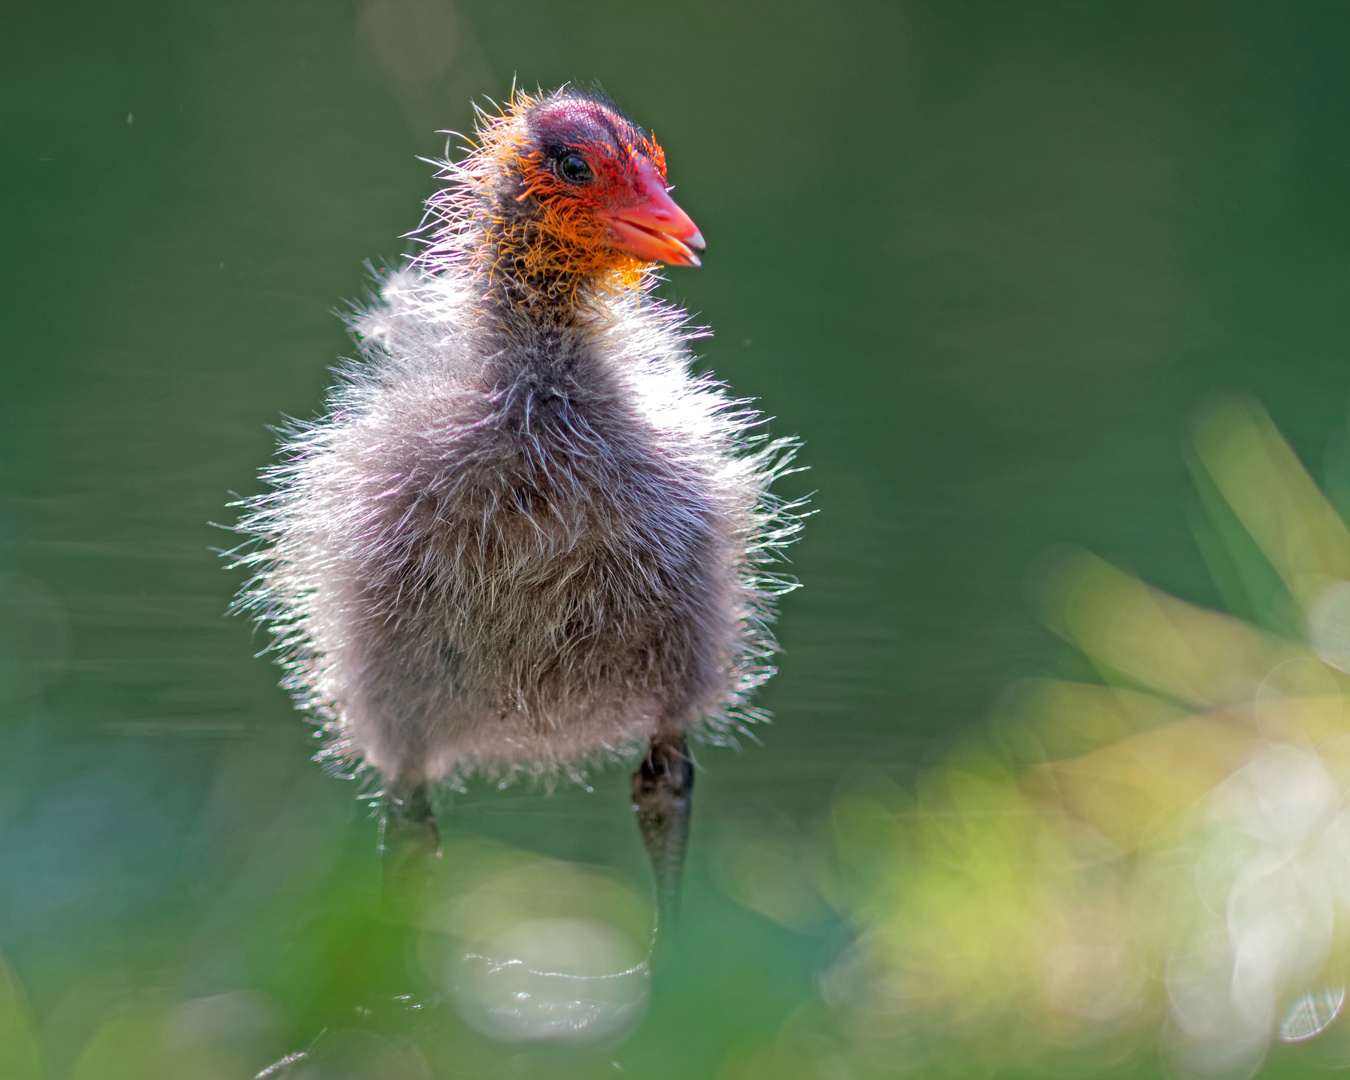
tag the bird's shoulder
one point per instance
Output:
(418, 321)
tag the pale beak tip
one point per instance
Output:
(696, 243)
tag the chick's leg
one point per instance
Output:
(410, 843)
(662, 787)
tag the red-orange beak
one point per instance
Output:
(654, 228)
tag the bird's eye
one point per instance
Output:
(573, 169)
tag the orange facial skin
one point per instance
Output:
(590, 197)
(627, 189)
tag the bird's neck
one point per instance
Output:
(514, 292)
(526, 273)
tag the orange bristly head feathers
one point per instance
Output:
(588, 187)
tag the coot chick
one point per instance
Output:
(525, 537)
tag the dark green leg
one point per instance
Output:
(662, 787)
(409, 844)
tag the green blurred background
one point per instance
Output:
(985, 259)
